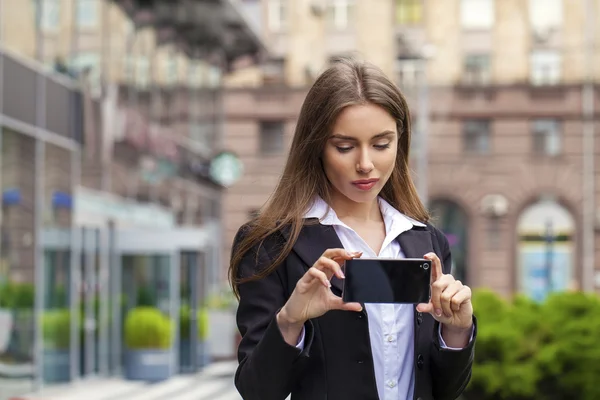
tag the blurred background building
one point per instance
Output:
(112, 171)
(505, 98)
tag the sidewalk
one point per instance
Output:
(215, 382)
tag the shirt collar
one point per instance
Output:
(393, 218)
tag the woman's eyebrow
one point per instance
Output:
(378, 136)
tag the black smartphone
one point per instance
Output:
(376, 280)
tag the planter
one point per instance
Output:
(6, 326)
(222, 334)
(185, 355)
(148, 365)
(57, 366)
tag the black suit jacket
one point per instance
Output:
(336, 362)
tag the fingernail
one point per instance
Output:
(438, 312)
(342, 276)
(328, 284)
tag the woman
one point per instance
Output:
(346, 192)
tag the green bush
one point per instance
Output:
(17, 295)
(184, 322)
(24, 296)
(527, 350)
(6, 295)
(147, 328)
(57, 329)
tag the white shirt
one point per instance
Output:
(391, 326)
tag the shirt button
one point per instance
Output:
(391, 384)
(390, 338)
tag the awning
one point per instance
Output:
(209, 29)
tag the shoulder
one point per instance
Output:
(437, 235)
(259, 243)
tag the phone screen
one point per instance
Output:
(400, 281)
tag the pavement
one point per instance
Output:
(215, 382)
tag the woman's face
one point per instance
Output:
(360, 155)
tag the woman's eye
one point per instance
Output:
(343, 149)
(382, 146)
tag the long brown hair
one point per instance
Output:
(347, 82)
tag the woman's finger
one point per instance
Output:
(447, 296)
(341, 254)
(336, 303)
(437, 288)
(312, 275)
(330, 267)
(332, 261)
(436, 267)
(463, 295)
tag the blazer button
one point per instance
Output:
(360, 362)
(419, 318)
(420, 361)
(360, 316)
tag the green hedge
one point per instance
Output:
(527, 350)
(17, 295)
(147, 328)
(57, 329)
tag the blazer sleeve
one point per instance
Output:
(450, 369)
(268, 366)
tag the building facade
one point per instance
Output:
(112, 171)
(505, 98)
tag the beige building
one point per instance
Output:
(509, 102)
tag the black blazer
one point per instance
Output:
(336, 363)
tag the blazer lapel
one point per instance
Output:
(314, 239)
(415, 243)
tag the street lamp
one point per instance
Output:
(427, 52)
(549, 238)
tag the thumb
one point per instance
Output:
(425, 308)
(338, 304)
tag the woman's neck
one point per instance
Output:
(347, 209)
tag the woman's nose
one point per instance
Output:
(364, 165)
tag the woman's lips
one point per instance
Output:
(365, 184)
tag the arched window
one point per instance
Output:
(546, 249)
(451, 219)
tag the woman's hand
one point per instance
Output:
(450, 304)
(312, 296)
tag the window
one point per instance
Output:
(409, 11)
(87, 13)
(545, 14)
(271, 137)
(545, 67)
(408, 73)
(196, 74)
(477, 136)
(50, 14)
(477, 14)
(477, 69)
(273, 72)
(171, 70)
(546, 137)
(277, 16)
(142, 72)
(214, 76)
(340, 14)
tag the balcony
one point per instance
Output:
(215, 30)
(26, 87)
